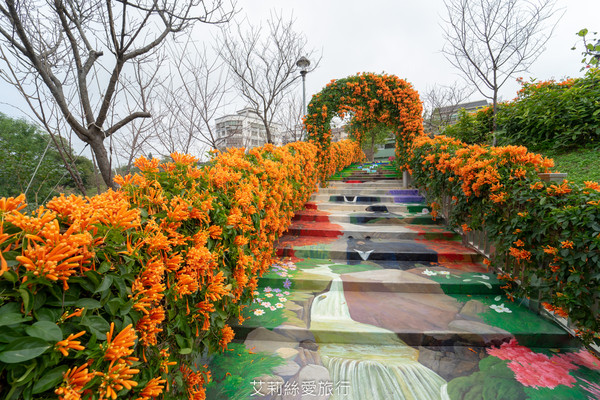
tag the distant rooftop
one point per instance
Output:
(472, 105)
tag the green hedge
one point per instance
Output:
(546, 236)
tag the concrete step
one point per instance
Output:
(377, 218)
(362, 231)
(352, 191)
(400, 318)
(367, 207)
(368, 198)
(399, 276)
(358, 249)
(384, 184)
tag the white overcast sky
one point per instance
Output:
(397, 37)
(404, 38)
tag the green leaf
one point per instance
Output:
(104, 267)
(97, 325)
(26, 296)
(13, 319)
(10, 276)
(50, 379)
(106, 283)
(88, 304)
(582, 32)
(112, 306)
(23, 349)
(47, 314)
(8, 335)
(45, 330)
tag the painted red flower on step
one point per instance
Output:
(538, 370)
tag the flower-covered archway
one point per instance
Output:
(371, 100)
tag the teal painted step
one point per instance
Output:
(399, 276)
(392, 184)
(418, 319)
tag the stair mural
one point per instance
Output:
(372, 298)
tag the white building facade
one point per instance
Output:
(245, 129)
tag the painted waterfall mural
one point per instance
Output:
(385, 369)
(377, 300)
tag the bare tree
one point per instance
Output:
(440, 103)
(290, 118)
(139, 132)
(46, 112)
(263, 64)
(199, 92)
(64, 42)
(491, 40)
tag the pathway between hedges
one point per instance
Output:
(374, 299)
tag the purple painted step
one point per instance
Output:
(404, 192)
(409, 199)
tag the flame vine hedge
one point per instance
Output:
(550, 233)
(119, 294)
(370, 100)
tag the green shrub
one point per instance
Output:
(472, 128)
(549, 114)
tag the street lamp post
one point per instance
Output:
(303, 64)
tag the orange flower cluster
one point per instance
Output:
(556, 310)
(176, 240)
(63, 346)
(490, 186)
(195, 382)
(74, 382)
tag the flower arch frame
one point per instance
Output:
(370, 99)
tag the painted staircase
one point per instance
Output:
(382, 301)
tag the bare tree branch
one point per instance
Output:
(263, 64)
(440, 103)
(70, 44)
(490, 41)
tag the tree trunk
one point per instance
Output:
(267, 130)
(99, 150)
(495, 117)
(372, 158)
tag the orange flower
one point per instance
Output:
(195, 382)
(12, 203)
(567, 244)
(551, 250)
(227, 335)
(121, 346)
(69, 343)
(153, 388)
(557, 190)
(592, 185)
(184, 159)
(520, 254)
(519, 243)
(118, 377)
(74, 381)
(561, 312)
(215, 232)
(536, 186)
(215, 290)
(165, 363)
(53, 263)
(149, 326)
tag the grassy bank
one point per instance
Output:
(582, 164)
